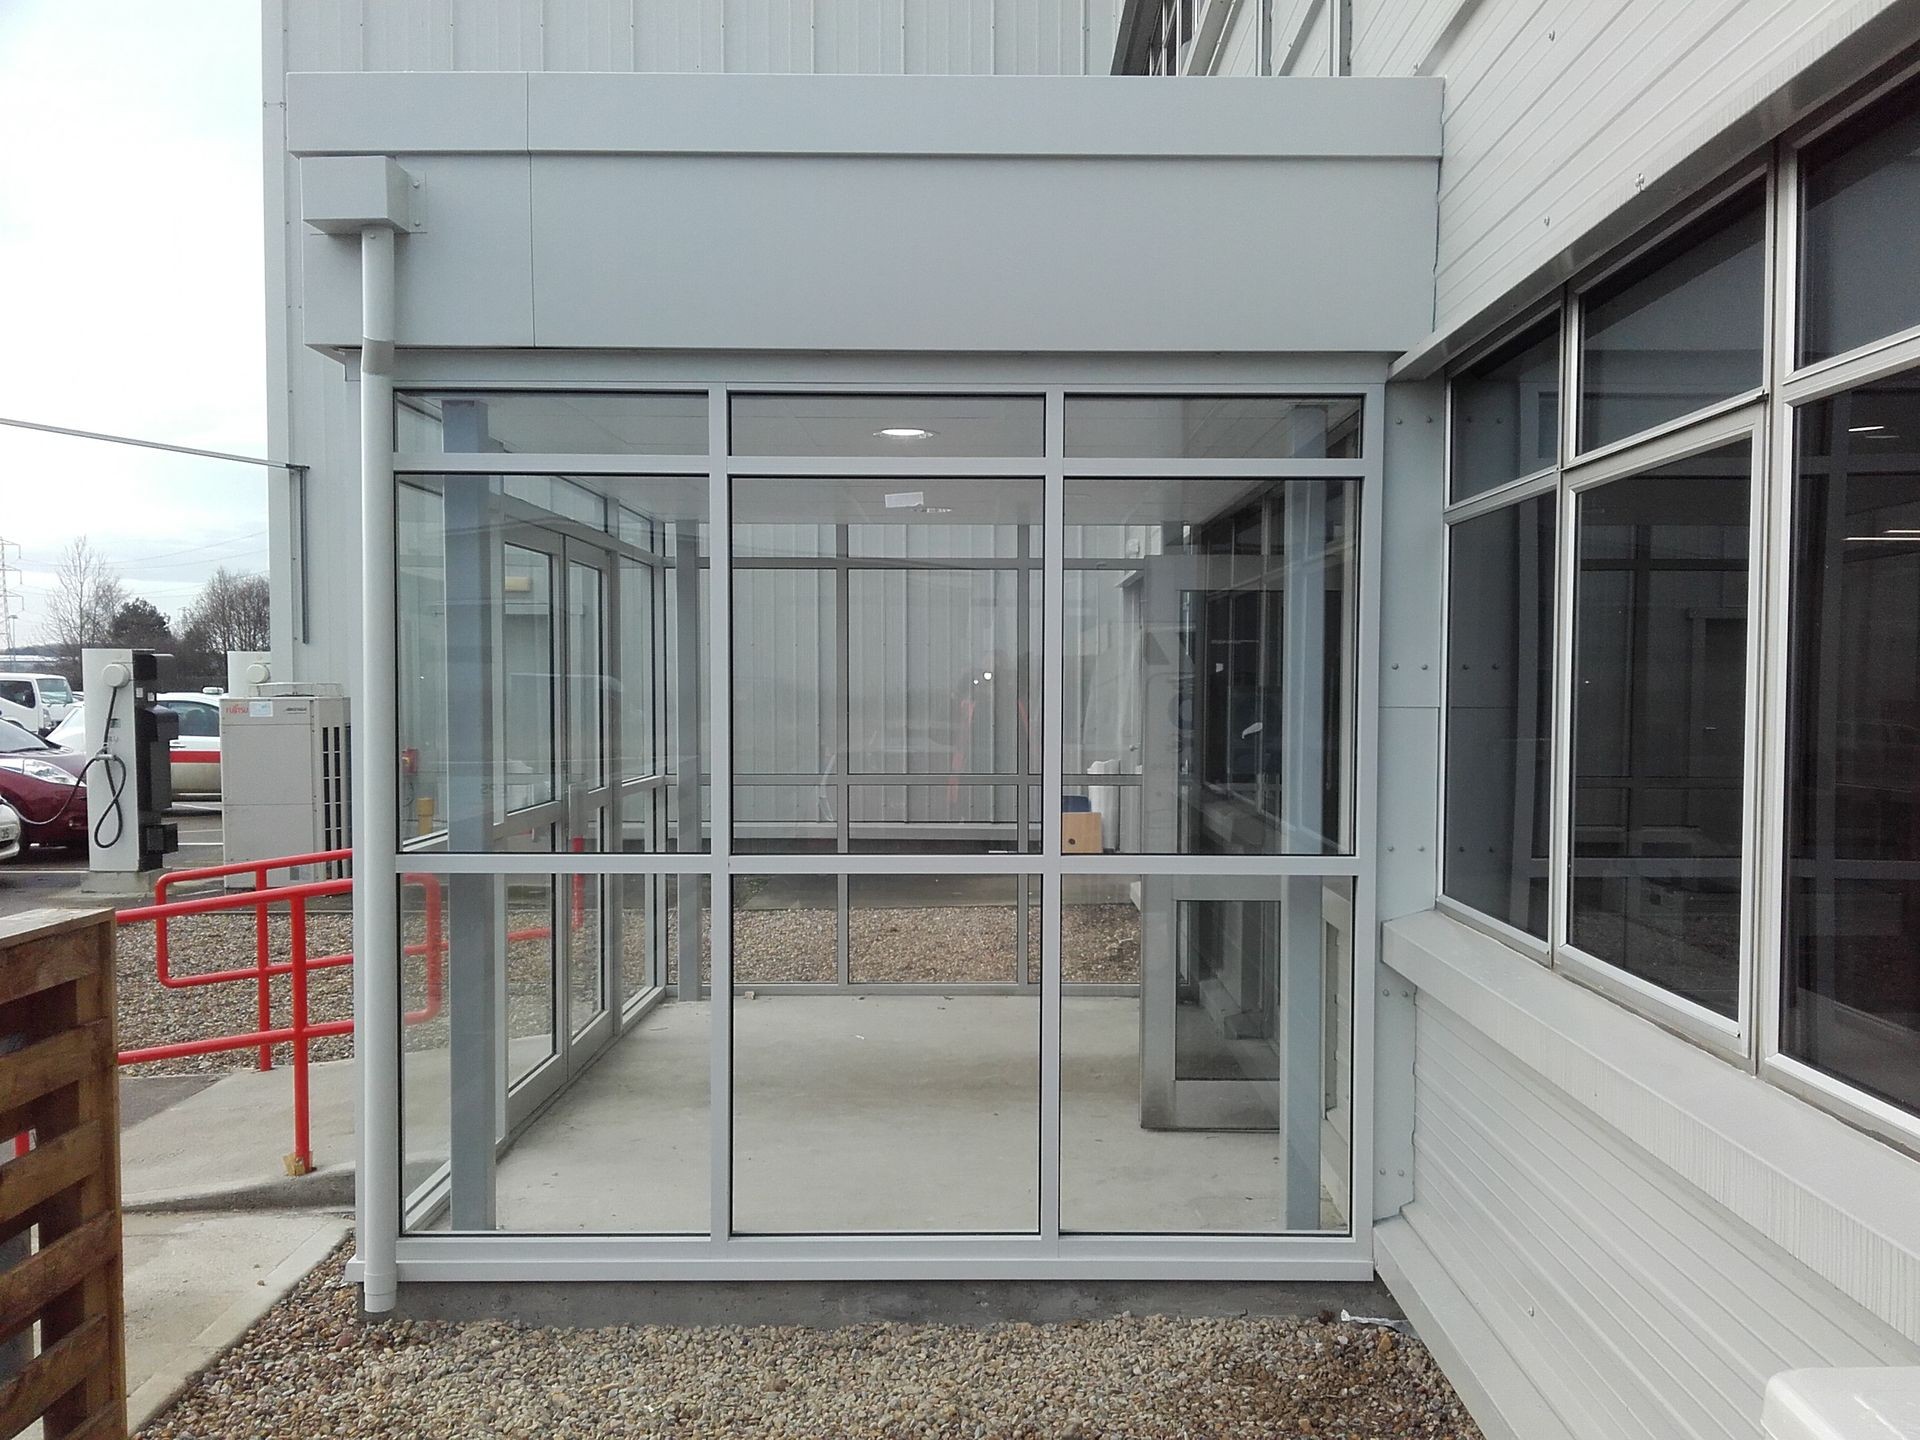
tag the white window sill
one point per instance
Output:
(1842, 1203)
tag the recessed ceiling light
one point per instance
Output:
(1864, 429)
(905, 432)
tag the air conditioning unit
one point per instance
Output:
(285, 779)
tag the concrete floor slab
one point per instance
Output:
(872, 1114)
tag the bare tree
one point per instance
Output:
(87, 595)
(231, 612)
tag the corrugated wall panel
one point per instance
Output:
(1559, 111)
(1635, 1304)
(854, 37)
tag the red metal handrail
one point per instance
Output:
(299, 965)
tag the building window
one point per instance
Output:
(1677, 330)
(1851, 985)
(1500, 615)
(1658, 742)
(1505, 413)
(1860, 190)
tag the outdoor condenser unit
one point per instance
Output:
(284, 777)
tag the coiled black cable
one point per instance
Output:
(115, 770)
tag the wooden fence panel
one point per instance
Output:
(58, 1080)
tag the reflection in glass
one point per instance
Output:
(1858, 188)
(881, 1112)
(1506, 413)
(1213, 427)
(882, 629)
(623, 1147)
(1659, 702)
(1210, 641)
(786, 930)
(550, 423)
(1499, 702)
(1214, 1099)
(896, 426)
(1677, 330)
(1851, 988)
(520, 643)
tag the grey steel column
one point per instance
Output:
(1302, 982)
(475, 959)
(687, 668)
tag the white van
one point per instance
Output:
(35, 702)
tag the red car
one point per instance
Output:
(42, 782)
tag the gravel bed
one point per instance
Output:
(311, 1370)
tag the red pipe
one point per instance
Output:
(299, 964)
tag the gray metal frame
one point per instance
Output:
(1766, 418)
(1048, 1253)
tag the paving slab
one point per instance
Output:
(225, 1145)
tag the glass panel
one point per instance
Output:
(786, 930)
(1506, 413)
(492, 626)
(586, 950)
(933, 929)
(1213, 427)
(1499, 779)
(1678, 330)
(901, 426)
(785, 820)
(1851, 992)
(1660, 638)
(935, 668)
(623, 1148)
(949, 819)
(1217, 1098)
(548, 423)
(904, 579)
(587, 678)
(1859, 190)
(529, 646)
(1211, 635)
(894, 1112)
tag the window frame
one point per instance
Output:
(1768, 416)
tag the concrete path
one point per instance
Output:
(224, 1146)
(195, 1282)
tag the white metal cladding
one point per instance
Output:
(1643, 1268)
(911, 37)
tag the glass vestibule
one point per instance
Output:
(1032, 905)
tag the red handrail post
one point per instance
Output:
(301, 1161)
(261, 958)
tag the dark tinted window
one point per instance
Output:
(1851, 967)
(1677, 330)
(199, 720)
(1499, 698)
(1659, 692)
(17, 692)
(1860, 275)
(1506, 413)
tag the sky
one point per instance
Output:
(131, 289)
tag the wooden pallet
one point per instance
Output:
(58, 1080)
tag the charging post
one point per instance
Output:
(129, 771)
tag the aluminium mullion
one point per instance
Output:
(1514, 492)
(1227, 867)
(884, 467)
(1696, 437)
(1053, 549)
(1096, 468)
(426, 462)
(549, 862)
(1768, 722)
(1875, 360)
(719, 639)
(843, 743)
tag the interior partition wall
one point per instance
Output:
(865, 831)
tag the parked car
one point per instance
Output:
(10, 841)
(36, 702)
(42, 781)
(195, 751)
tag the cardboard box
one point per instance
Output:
(1080, 833)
